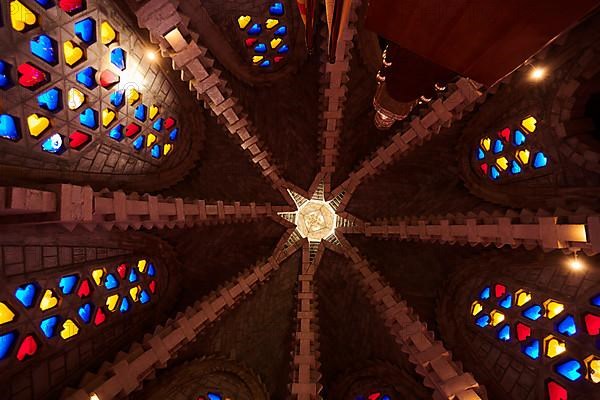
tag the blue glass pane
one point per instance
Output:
(540, 160)
(173, 135)
(89, 118)
(480, 154)
(117, 58)
(8, 127)
(117, 98)
(506, 302)
(111, 282)
(276, 9)
(515, 168)
(283, 49)
(6, 342)
(155, 151)
(54, 144)
(87, 77)
(5, 81)
(281, 31)
(532, 350)
(85, 313)
(86, 30)
(158, 124)
(567, 326)
(485, 293)
(48, 327)
(141, 112)
(570, 369)
(67, 284)
(138, 143)
(265, 64)
(116, 133)
(596, 300)
(494, 173)
(498, 146)
(133, 277)
(260, 48)
(483, 321)
(45, 3)
(144, 297)
(26, 294)
(50, 100)
(534, 312)
(255, 30)
(124, 305)
(519, 138)
(43, 47)
(504, 333)
(214, 396)
(151, 270)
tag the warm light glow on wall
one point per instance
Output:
(538, 73)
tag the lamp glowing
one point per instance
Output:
(151, 55)
(575, 263)
(94, 396)
(538, 73)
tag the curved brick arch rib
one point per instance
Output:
(73, 206)
(568, 231)
(128, 371)
(334, 88)
(504, 366)
(430, 357)
(42, 257)
(169, 29)
(464, 97)
(305, 356)
(79, 126)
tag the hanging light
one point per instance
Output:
(537, 73)
(575, 263)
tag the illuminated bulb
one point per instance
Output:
(94, 396)
(151, 55)
(575, 264)
(537, 74)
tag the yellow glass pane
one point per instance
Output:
(151, 139)
(111, 302)
(593, 367)
(75, 99)
(107, 117)
(275, 42)
(522, 297)
(20, 16)
(523, 156)
(153, 112)
(141, 265)
(476, 308)
(73, 53)
(502, 163)
(97, 276)
(134, 292)
(69, 330)
(486, 143)
(243, 21)
(37, 125)
(257, 59)
(529, 124)
(6, 314)
(496, 317)
(554, 347)
(167, 148)
(132, 96)
(553, 308)
(107, 33)
(271, 23)
(49, 300)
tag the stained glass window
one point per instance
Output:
(87, 85)
(374, 396)
(265, 37)
(543, 330)
(511, 152)
(63, 307)
(213, 396)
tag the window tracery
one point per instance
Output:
(39, 312)
(265, 39)
(81, 78)
(511, 152)
(558, 337)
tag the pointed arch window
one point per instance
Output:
(545, 331)
(83, 78)
(42, 312)
(511, 153)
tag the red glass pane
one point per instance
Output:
(499, 290)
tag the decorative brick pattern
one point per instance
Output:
(334, 90)
(305, 371)
(577, 231)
